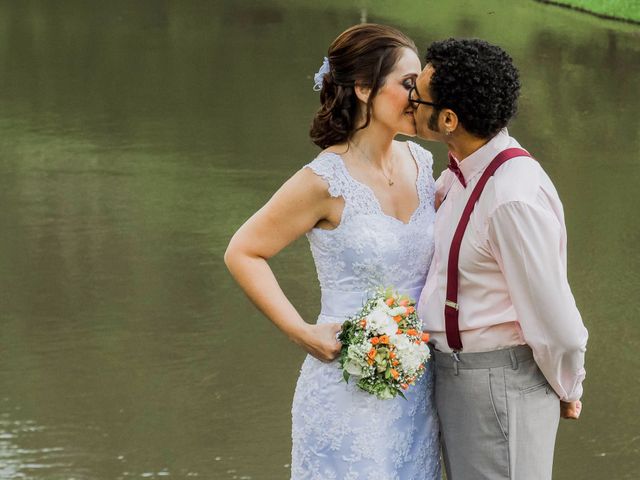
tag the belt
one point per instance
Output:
(343, 304)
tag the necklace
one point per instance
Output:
(390, 181)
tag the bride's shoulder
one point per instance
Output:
(325, 172)
(325, 163)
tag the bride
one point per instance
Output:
(366, 205)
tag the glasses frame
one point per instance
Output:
(418, 100)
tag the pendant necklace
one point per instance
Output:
(390, 181)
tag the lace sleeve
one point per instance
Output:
(327, 166)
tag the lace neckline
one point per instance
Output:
(372, 194)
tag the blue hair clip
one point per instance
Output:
(319, 77)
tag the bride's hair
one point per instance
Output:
(364, 54)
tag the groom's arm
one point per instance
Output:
(527, 241)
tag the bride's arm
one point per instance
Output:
(292, 211)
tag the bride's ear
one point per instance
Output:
(362, 92)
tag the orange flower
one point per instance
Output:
(404, 386)
(363, 323)
(395, 362)
(404, 302)
(389, 301)
(374, 341)
(370, 361)
(412, 332)
(384, 340)
(398, 318)
(410, 310)
(399, 332)
(392, 355)
(425, 337)
(372, 353)
(394, 373)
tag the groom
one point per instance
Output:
(509, 339)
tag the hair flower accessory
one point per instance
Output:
(319, 77)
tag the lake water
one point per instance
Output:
(137, 136)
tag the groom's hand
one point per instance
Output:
(570, 410)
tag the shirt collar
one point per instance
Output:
(480, 159)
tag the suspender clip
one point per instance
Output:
(456, 360)
(451, 304)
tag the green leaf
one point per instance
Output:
(345, 375)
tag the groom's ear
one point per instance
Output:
(449, 119)
(362, 92)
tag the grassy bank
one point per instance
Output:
(628, 10)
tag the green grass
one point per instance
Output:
(622, 9)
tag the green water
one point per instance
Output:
(137, 136)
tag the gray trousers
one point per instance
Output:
(498, 415)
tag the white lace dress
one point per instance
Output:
(340, 432)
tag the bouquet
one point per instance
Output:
(383, 345)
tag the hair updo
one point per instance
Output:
(363, 54)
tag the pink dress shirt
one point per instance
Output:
(513, 286)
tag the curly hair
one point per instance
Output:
(363, 54)
(477, 80)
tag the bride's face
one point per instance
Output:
(391, 106)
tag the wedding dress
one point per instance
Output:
(340, 432)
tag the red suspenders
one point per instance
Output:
(451, 303)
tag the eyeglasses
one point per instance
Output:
(415, 102)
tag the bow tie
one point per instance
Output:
(453, 166)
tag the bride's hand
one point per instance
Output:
(320, 341)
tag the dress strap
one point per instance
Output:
(329, 167)
(422, 155)
(358, 198)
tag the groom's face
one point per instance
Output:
(426, 116)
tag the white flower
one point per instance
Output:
(380, 305)
(381, 323)
(397, 311)
(354, 368)
(401, 342)
(356, 363)
(411, 355)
